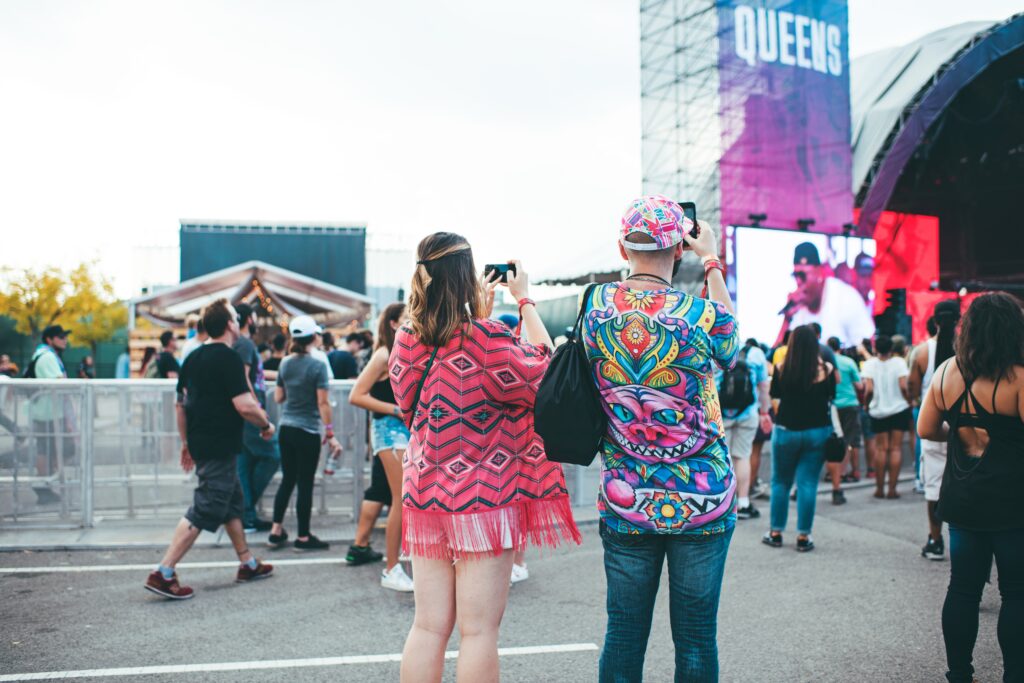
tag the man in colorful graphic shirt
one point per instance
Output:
(667, 489)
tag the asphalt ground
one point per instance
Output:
(864, 606)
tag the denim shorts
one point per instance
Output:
(389, 433)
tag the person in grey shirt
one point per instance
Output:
(301, 388)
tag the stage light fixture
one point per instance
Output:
(804, 223)
(848, 229)
(756, 219)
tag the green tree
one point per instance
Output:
(81, 300)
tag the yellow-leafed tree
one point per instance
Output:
(81, 301)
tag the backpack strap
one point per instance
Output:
(578, 327)
(423, 379)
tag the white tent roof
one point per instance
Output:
(289, 292)
(883, 83)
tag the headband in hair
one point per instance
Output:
(464, 248)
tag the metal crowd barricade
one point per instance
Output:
(74, 452)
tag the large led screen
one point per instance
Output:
(784, 88)
(805, 277)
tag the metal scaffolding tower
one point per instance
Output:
(680, 102)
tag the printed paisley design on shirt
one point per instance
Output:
(665, 467)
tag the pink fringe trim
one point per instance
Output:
(451, 536)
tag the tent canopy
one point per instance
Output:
(281, 292)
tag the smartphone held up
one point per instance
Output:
(502, 269)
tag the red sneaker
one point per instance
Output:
(168, 588)
(262, 571)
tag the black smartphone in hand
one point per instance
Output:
(690, 211)
(501, 268)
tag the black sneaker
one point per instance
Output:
(277, 541)
(774, 540)
(749, 512)
(311, 543)
(358, 555)
(934, 550)
(838, 498)
(804, 545)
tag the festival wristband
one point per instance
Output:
(525, 302)
(713, 264)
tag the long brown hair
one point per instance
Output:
(800, 367)
(385, 334)
(991, 340)
(445, 294)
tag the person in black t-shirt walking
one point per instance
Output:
(214, 398)
(166, 364)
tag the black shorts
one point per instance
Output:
(218, 498)
(378, 491)
(763, 436)
(901, 421)
(849, 419)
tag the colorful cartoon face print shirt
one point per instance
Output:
(664, 464)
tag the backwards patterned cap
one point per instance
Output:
(659, 218)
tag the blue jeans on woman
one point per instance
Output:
(632, 566)
(970, 555)
(796, 454)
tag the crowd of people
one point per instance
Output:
(451, 393)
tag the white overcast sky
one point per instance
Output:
(515, 124)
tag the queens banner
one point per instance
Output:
(784, 89)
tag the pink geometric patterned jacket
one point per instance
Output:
(476, 479)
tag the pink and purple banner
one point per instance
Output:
(784, 87)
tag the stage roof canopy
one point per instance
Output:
(899, 94)
(282, 292)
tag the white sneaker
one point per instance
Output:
(520, 573)
(396, 580)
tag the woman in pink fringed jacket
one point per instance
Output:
(477, 485)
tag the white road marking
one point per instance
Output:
(151, 566)
(277, 663)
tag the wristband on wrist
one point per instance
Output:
(711, 263)
(526, 301)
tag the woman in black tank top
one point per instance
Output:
(975, 407)
(389, 438)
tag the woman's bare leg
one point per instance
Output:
(881, 452)
(392, 461)
(423, 655)
(895, 460)
(481, 594)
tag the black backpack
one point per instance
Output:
(737, 391)
(568, 414)
(30, 371)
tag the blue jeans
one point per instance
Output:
(970, 555)
(257, 464)
(632, 566)
(796, 454)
